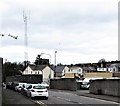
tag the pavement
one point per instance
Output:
(10, 97)
(87, 94)
(103, 97)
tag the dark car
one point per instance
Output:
(8, 85)
(13, 85)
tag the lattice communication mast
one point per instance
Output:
(26, 38)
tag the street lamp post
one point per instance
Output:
(55, 64)
(55, 58)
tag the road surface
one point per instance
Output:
(62, 97)
(55, 97)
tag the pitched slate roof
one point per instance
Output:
(74, 67)
(59, 68)
(37, 67)
(89, 68)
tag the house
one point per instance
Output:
(110, 68)
(43, 70)
(77, 71)
(68, 71)
(114, 68)
(60, 71)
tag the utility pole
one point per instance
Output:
(55, 58)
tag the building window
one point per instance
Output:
(79, 70)
(38, 72)
(31, 72)
(113, 69)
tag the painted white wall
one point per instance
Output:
(75, 70)
(110, 69)
(101, 69)
(65, 70)
(28, 70)
(46, 73)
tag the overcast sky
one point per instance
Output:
(81, 31)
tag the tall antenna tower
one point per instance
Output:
(26, 38)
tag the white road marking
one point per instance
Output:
(41, 103)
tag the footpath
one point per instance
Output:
(11, 98)
(87, 94)
(104, 97)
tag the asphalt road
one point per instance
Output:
(55, 98)
(62, 97)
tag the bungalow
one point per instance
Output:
(43, 70)
(110, 68)
(60, 71)
(68, 71)
(114, 68)
(77, 71)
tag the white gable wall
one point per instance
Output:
(65, 70)
(28, 70)
(47, 71)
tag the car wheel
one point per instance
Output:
(31, 96)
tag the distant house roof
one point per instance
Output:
(89, 69)
(115, 65)
(37, 67)
(59, 68)
(74, 67)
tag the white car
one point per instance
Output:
(18, 87)
(45, 84)
(24, 88)
(37, 90)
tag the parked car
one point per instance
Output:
(9, 85)
(13, 85)
(18, 87)
(86, 82)
(24, 88)
(4, 85)
(37, 90)
(45, 84)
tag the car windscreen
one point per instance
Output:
(39, 87)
